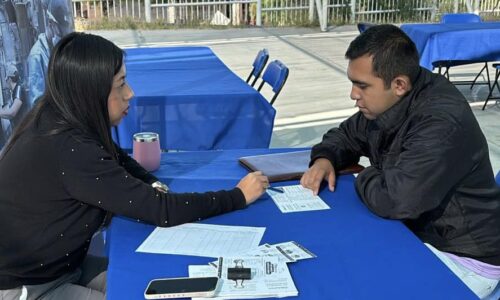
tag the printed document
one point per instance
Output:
(288, 252)
(294, 251)
(269, 278)
(202, 240)
(296, 198)
(262, 250)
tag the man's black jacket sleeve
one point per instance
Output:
(344, 145)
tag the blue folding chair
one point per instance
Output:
(498, 178)
(447, 64)
(275, 75)
(258, 65)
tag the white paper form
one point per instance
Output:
(294, 250)
(262, 250)
(296, 198)
(202, 240)
(288, 252)
(270, 278)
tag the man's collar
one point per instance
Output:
(395, 115)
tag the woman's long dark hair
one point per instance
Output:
(79, 81)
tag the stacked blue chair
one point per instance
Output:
(275, 75)
(447, 64)
(258, 65)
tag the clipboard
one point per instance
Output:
(286, 166)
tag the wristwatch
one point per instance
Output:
(160, 186)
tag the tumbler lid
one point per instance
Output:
(146, 137)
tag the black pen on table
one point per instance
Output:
(276, 189)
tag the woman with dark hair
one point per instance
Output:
(61, 174)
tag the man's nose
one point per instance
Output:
(354, 94)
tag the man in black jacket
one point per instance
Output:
(429, 159)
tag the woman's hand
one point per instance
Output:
(253, 186)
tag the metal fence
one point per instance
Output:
(216, 12)
(393, 11)
(276, 12)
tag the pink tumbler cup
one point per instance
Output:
(146, 150)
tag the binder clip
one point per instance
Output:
(239, 273)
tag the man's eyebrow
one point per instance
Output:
(358, 82)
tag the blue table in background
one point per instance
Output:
(360, 256)
(193, 101)
(466, 41)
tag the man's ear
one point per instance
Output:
(401, 85)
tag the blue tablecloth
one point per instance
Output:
(466, 41)
(194, 101)
(360, 256)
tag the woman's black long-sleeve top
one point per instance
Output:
(55, 191)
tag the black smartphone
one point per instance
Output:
(183, 287)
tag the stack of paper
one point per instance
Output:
(202, 240)
(270, 276)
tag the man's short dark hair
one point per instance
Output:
(393, 52)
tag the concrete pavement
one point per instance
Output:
(316, 96)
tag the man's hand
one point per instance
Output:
(253, 186)
(321, 170)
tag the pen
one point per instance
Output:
(276, 189)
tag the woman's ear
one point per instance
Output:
(401, 85)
